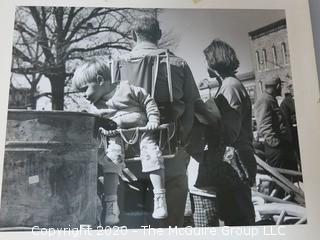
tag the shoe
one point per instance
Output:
(112, 211)
(160, 210)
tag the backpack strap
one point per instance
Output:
(155, 76)
(116, 65)
(169, 76)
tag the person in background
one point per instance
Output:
(288, 110)
(272, 127)
(237, 173)
(146, 34)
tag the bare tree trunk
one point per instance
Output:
(57, 81)
(33, 97)
(57, 89)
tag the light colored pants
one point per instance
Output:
(176, 185)
(150, 154)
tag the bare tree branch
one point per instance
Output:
(101, 30)
(103, 45)
(20, 55)
(80, 24)
(43, 40)
(93, 14)
(59, 18)
(71, 15)
(20, 27)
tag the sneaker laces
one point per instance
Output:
(157, 201)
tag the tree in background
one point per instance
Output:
(20, 62)
(49, 41)
(47, 38)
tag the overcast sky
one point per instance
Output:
(198, 27)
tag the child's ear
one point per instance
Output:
(100, 80)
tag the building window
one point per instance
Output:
(274, 56)
(258, 60)
(284, 53)
(264, 55)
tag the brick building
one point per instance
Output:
(270, 53)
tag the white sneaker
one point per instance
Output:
(160, 210)
(112, 211)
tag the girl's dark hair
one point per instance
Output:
(221, 57)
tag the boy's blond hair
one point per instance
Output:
(88, 72)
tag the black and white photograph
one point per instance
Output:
(129, 117)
